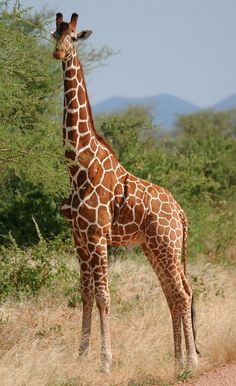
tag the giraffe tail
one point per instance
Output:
(193, 317)
(185, 240)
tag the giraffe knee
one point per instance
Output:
(103, 300)
(86, 290)
(178, 300)
(87, 298)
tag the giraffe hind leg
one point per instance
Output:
(178, 295)
(189, 326)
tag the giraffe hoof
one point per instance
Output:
(106, 361)
(105, 368)
(83, 351)
(179, 366)
(192, 363)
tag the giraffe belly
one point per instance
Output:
(124, 236)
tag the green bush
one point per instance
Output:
(21, 201)
(33, 176)
(25, 273)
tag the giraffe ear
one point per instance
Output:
(59, 19)
(83, 35)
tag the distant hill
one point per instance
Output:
(226, 104)
(165, 108)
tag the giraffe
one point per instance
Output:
(109, 206)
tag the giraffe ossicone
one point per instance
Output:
(109, 206)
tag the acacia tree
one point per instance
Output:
(33, 178)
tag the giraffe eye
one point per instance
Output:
(73, 37)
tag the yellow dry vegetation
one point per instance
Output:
(39, 338)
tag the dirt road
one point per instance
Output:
(223, 376)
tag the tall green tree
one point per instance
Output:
(131, 133)
(33, 177)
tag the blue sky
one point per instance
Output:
(186, 48)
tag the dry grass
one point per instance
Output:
(39, 338)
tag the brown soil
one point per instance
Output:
(223, 376)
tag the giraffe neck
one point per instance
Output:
(78, 124)
(81, 141)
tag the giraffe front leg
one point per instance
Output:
(88, 301)
(102, 295)
(87, 295)
(103, 304)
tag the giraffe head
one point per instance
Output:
(66, 35)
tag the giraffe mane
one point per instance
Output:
(98, 136)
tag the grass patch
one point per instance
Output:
(39, 337)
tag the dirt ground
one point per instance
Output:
(223, 376)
